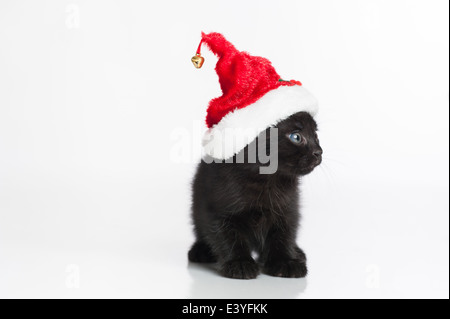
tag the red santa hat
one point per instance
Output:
(254, 98)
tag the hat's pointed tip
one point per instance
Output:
(218, 44)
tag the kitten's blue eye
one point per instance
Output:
(296, 138)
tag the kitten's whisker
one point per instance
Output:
(329, 173)
(322, 171)
(334, 160)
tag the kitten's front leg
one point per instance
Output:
(281, 256)
(234, 254)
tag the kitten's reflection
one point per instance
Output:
(207, 283)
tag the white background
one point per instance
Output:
(93, 94)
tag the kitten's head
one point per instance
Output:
(299, 150)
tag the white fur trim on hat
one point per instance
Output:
(239, 128)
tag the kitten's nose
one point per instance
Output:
(318, 153)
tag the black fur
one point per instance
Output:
(237, 211)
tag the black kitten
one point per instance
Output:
(238, 211)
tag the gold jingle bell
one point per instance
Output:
(198, 60)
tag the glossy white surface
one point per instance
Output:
(357, 246)
(95, 97)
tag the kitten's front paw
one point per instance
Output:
(237, 269)
(286, 268)
(201, 253)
